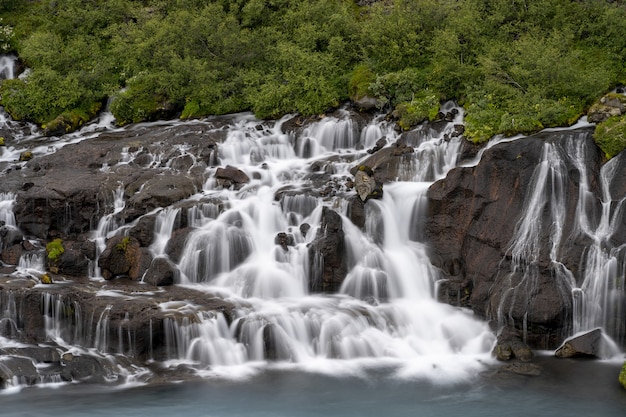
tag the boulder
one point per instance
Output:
(231, 177)
(586, 345)
(123, 256)
(327, 254)
(17, 368)
(76, 258)
(160, 273)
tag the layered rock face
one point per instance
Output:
(512, 234)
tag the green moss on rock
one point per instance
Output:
(622, 376)
(610, 136)
(55, 249)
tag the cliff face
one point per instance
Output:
(513, 235)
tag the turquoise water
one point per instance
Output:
(565, 388)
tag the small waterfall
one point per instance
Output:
(7, 218)
(601, 299)
(163, 227)
(106, 228)
(10, 317)
(7, 67)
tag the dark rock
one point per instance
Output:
(583, 346)
(356, 211)
(327, 254)
(284, 240)
(473, 214)
(76, 257)
(20, 368)
(509, 346)
(231, 177)
(124, 257)
(12, 254)
(83, 368)
(521, 368)
(143, 230)
(176, 243)
(161, 273)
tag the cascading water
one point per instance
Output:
(386, 310)
(7, 67)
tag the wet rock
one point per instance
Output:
(83, 368)
(327, 254)
(521, 368)
(608, 106)
(143, 230)
(584, 346)
(176, 243)
(473, 214)
(123, 256)
(510, 346)
(231, 177)
(160, 273)
(356, 211)
(17, 368)
(284, 240)
(76, 258)
(12, 254)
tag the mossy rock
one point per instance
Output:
(610, 136)
(45, 279)
(1, 141)
(54, 250)
(622, 376)
(26, 156)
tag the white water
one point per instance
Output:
(386, 312)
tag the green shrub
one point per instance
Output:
(424, 106)
(361, 78)
(610, 136)
(55, 249)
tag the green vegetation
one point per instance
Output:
(54, 250)
(622, 376)
(123, 245)
(611, 136)
(516, 66)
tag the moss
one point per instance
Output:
(26, 156)
(622, 376)
(610, 136)
(70, 121)
(55, 249)
(45, 279)
(1, 141)
(123, 245)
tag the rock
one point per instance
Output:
(327, 254)
(607, 106)
(284, 240)
(622, 376)
(510, 346)
(176, 243)
(356, 211)
(76, 258)
(83, 368)
(143, 230)
(366, 185)
(472, 218)
(231, 177)
(17, 368)
(520, 368)
(12, 254)
(366, 104)
(583, 346)
(124, 257)
(160, 273)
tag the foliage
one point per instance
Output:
(55, 249)
(516, 66)
(610, 136)
(123, 245)
(6, 38)
(424, 106)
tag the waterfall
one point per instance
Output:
(107, 226)
(253, 248)
(7, 67)
(600, 301)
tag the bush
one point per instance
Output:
(423, 107)
(54, 250)
(610, 136)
